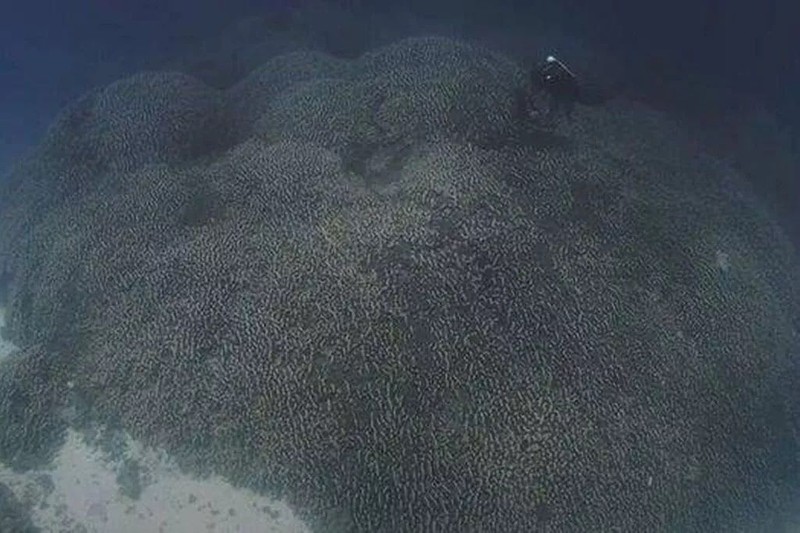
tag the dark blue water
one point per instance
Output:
(702, 59)
(51, 52)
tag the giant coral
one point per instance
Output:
(353, 283)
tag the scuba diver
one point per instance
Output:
(554, 91)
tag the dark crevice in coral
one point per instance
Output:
(5, 286)
(220, 135)
(526, 134)
(202, 207)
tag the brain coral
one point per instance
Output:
(378, 300)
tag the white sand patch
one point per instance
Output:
(5, 346)
(81, 493)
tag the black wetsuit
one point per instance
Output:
(555, 90)
(560, 84)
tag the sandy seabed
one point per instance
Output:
(80, 493)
